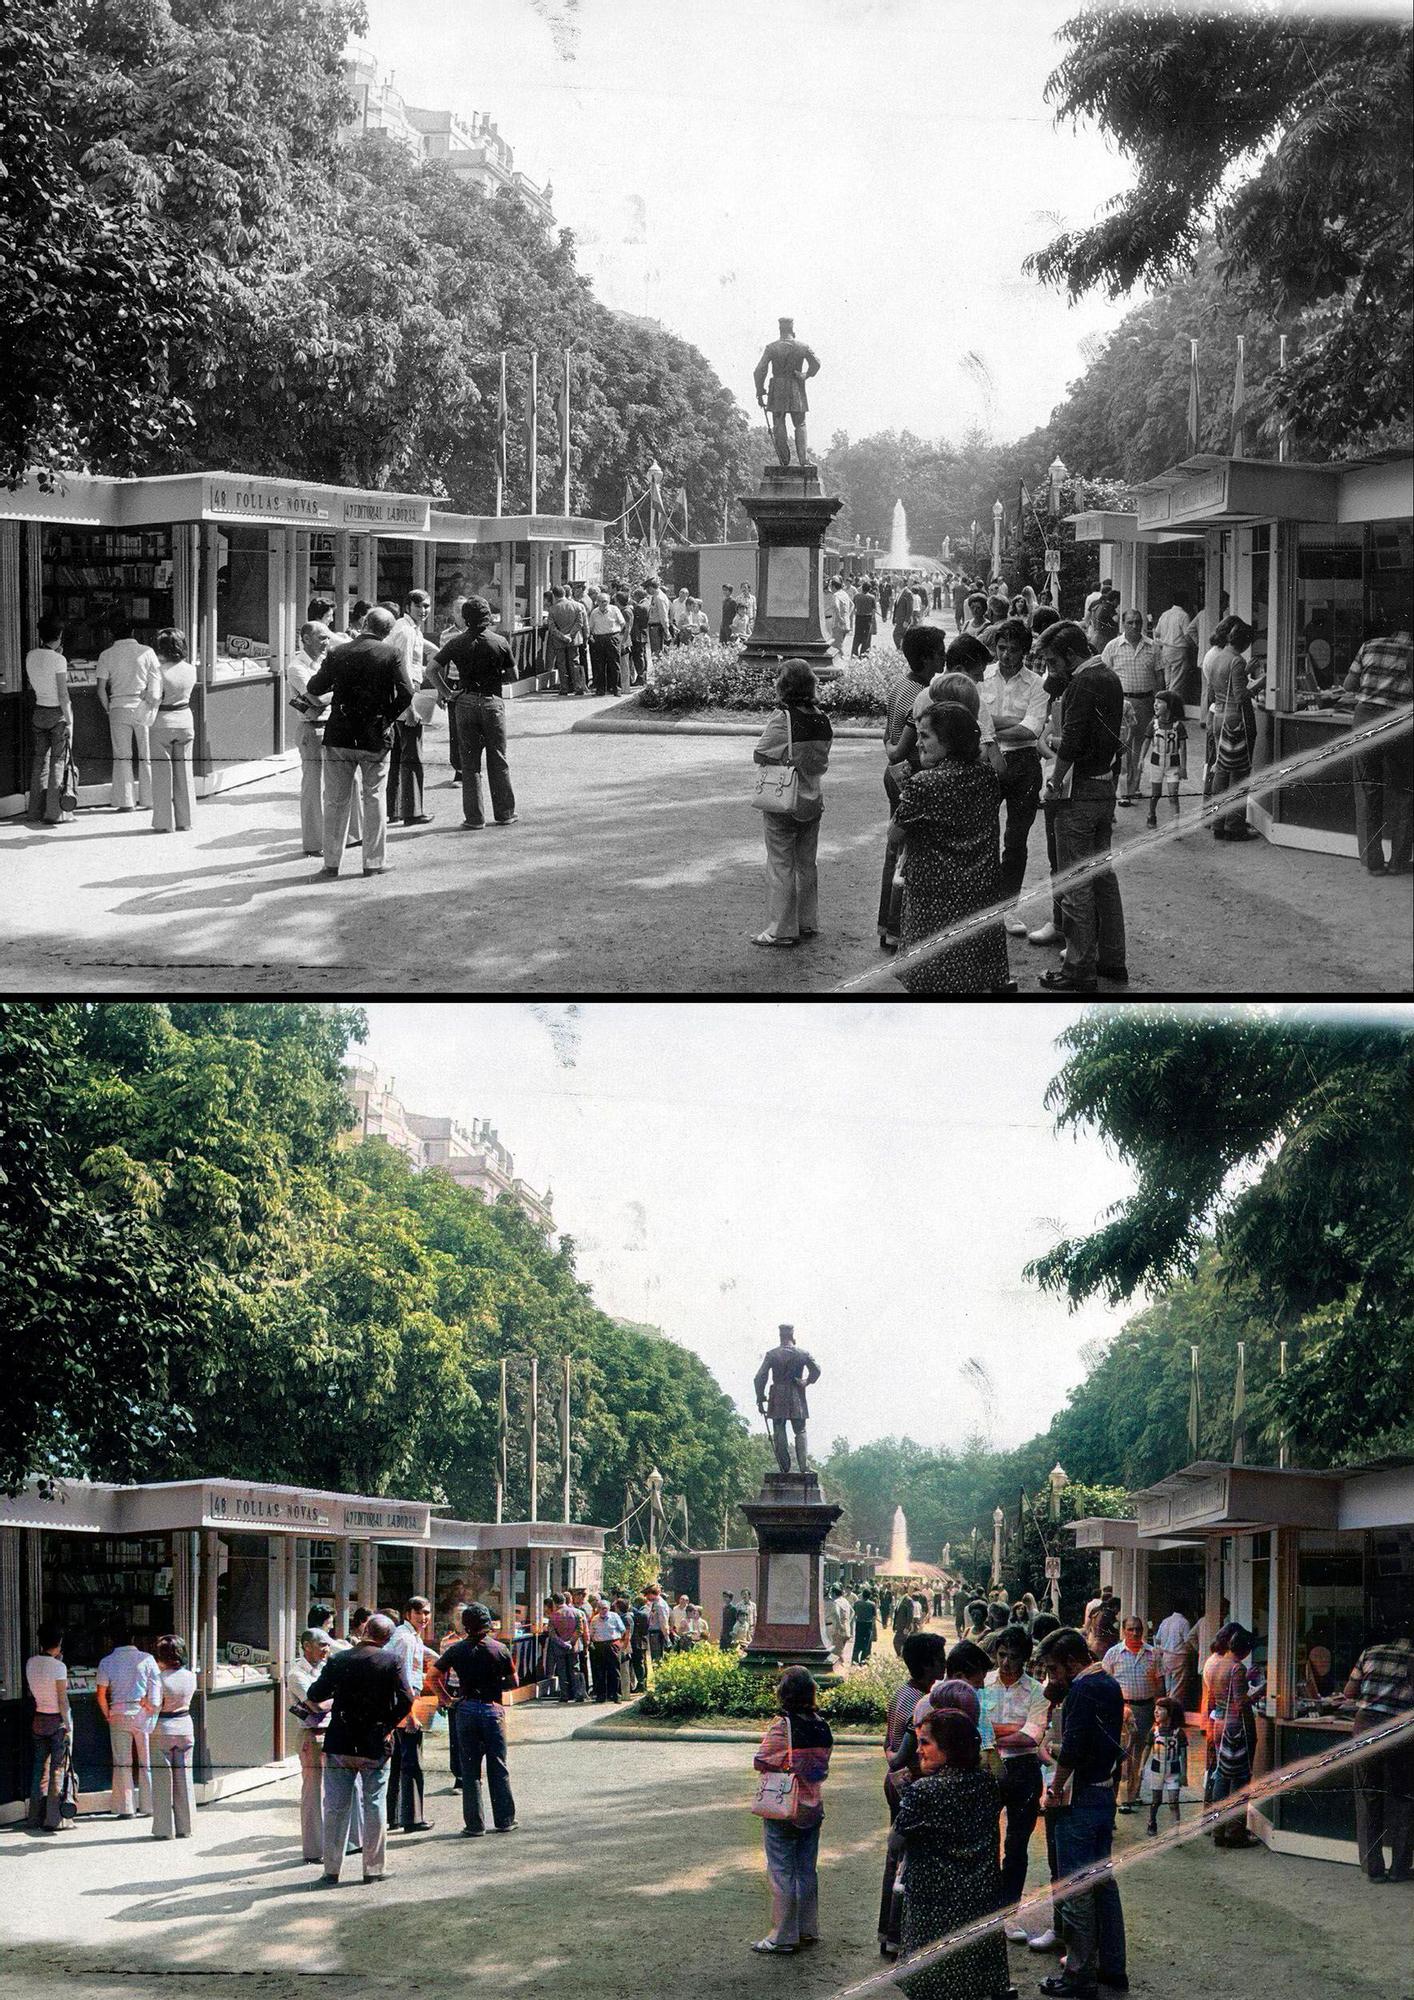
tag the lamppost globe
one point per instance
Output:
(1057, 1479)
(998, 1517)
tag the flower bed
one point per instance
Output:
(706, 1683)
(709, 675)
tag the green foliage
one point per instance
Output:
(241, 1294)
(863, 1695)
(1277, 124)
(629, 1571)
(711, 675)
(90, 294)
(705, 1681)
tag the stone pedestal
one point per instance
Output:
(791, 1520)
(790, 515)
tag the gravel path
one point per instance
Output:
(635, 1864)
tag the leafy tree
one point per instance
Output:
(1274, 123)
(1287, 1141)
(90, 293)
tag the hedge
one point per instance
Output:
(708, 674)
(705, 1682)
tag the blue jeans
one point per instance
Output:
(46, 1792)
(481, 731)
(791, 1854)
(1092, 1919)
(340, 1776)
(481, 1734)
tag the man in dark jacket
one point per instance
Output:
(485, 663)
(368, 686)
(1081, 796)
(370, 1698)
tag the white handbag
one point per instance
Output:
(777, 1792)
(777, 786)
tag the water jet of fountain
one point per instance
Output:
(898, 540)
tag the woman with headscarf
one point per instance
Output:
(947, 821)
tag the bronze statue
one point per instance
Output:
(791, 364)
(791, 1371)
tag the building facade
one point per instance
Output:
(470, 146)
(474, 1157)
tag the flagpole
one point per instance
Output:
(1281, 433)
(1194, 1412)
(501, 414)
(1239, 1407)
(565, 428)
(1237, 434)
(1281, 1446)
(533, 430)
(1194, 413)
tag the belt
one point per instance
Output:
(173, 1714)
(170, 707)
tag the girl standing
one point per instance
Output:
(1165, 751)
(172, 734)
(174, 1737)
(1165, 1760)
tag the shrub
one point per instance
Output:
(706, 1682)
(708, 674)
(864, 1695)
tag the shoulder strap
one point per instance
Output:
(790, 745)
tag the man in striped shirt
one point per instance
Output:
(1137, 1668)
(1381, 1685)
(1380, 679)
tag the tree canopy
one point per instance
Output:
(201, 270)
(1284, 128)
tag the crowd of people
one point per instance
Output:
(1023, 714)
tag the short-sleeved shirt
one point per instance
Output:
(129, 1674)
(483, 1667)
(1133, 1671)
(129, 671)
(1380, 673)
(46, 1677)
(606, 1625)
(178, 1687)
(1386, 1678)
(1137, 666)
(484, 660)
(1023, 1705)
(43, 667)
(407, 1642)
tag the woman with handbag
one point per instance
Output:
(791, 758)
(794, 1761)
(1231, 720)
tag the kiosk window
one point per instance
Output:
(1330, 1614)
(242, 1597)
(243, 593)
(1329, 607)
(89, 1580)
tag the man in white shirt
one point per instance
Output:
(678, 1617)
(311, 1721)
(1135, 1665)
(658, 616)
(746, 1623)
(841, 1624)
(1172, 1638)
(314, 642)
(405, 795)
(1173, 630)
(1135, 660)
(405, 1795)
(841, 616)
(129, 689)
(606, 629)
(129, 1697)
(52, 723)
(1017, 1708)
(48, 1681)
(1015, 698)
(606, 1631)
(678, 615)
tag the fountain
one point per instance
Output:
(899, 1559)
(898, 540)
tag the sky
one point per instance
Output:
(876, 1175)
(878, 169)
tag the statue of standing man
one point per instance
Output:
(791, 365)
(790, 1371)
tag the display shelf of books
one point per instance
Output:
(90, 578)
(108, 1577)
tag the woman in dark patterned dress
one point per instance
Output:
(948, 1821)
(948, 820)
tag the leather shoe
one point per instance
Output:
(1060, 981)
(1063, 1987)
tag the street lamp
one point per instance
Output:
(1057, 1479)
(1056, 473)
(998, 515)
(998, 1517)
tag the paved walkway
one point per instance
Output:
(636, 866)
(637, 1867)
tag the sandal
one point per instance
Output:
(781, 944)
